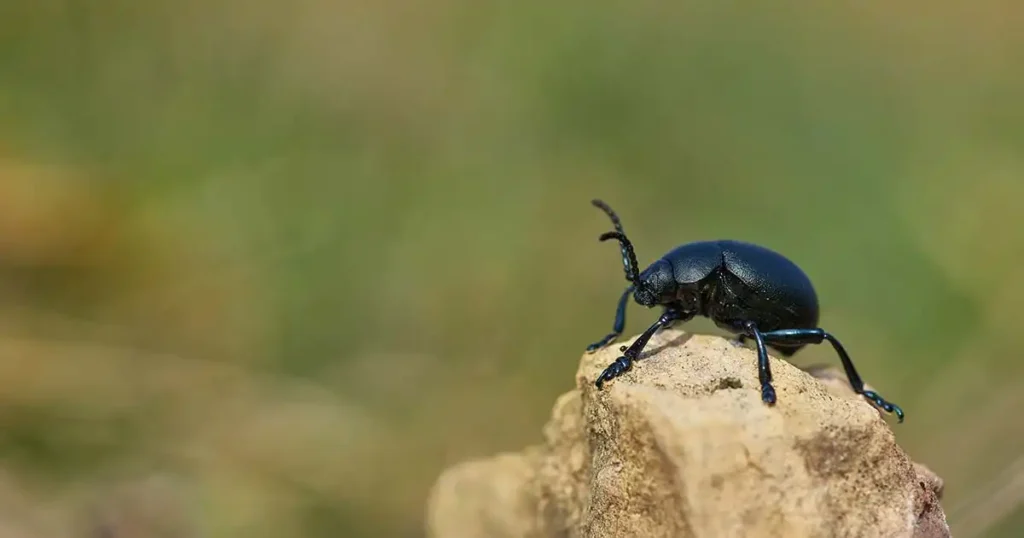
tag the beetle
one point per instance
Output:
(748, 290)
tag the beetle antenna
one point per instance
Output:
(611, 214)
(628, 256)
(629, 263)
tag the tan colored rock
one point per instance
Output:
(682, 446)
(492, 497)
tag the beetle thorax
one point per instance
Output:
(658, 286)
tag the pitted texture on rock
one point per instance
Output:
(683, 446)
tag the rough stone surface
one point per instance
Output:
(682, 446)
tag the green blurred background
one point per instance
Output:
(268, 267)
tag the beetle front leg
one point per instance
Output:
(625, 362)
(618, 326)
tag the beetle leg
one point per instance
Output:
(625, 362)
(619, 325)
(817, 336)
(670, 324)
(764, 371)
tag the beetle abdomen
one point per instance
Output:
(778, 281)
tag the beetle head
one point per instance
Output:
(655, 285)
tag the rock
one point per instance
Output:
(682, 446)
(491, 497)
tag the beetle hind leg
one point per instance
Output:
(797, 337)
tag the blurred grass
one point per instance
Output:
(300, 256)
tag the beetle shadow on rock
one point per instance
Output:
(678, 341)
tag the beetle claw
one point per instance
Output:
(614, 370)
(888, 407)
(768, 394)
(604, 342)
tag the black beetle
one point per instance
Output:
(746, 289)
